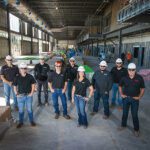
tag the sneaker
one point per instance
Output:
(121, 128)
(93, 113)
(39, 104)
(19, 125)
(137, 133)
(105, 117)
(66, 116)
(56, 116)
(33, 124)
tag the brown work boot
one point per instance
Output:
(121, 128)
(105, 117)
(33, 124)
(93, 113)
(19, 125)
(56, 116)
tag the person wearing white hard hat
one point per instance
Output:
(132, 89)
(24, 87)
(117, 73)
(71, 73)
(41, 71)
(79, 96)
(8, 73)
(102, 83)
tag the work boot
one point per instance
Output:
(93, 113)
(33, 124)
(121, 128)
(105, 117)
(39, 104)
(46, 104)
(85, 126)
(56, 116)
(137, 133)
(66, 116)
(19, 125)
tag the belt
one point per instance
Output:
(23, 94)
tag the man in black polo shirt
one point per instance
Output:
(117, 73)
(71, 73)
(41, 71)
(131, 89)
(24, 86)
(58, 85)
(8, 73)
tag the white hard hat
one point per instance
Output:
(131, 66)
(81, 68)
(118, 60)
(41, 57)
(23, 65)
(103, 63)
(8, 57)
(72, 58)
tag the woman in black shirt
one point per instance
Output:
(79, 96)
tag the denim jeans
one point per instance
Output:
(127, 102)
(80, 106)
(7, 92)
(22, 101)
(45, 90)
(105, 98)
(115, 92)
(70, 85)
(58, 93)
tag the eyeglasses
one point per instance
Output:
(118, 63)
(103, 66)
(58, 66)
(23, 68)
(131, 69)
(72, 61)
(9, 59)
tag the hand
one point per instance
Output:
(10, 83)
(86, 98)
(106, 92)
(136, 98)
(63, 91)
(52, 90)
(72, 101)
(123, 96)
(31, 94)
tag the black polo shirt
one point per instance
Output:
(81, 87)
(71, 72)
(24, 84)
(9, 73)
(57, 80)
(118, 74)
(131, 87)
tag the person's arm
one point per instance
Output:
(65, 88)
(5, 81)
(121, 92)
(50, 86)
(32, 89)
(91, 91)
(73, 91)
(142, 90)
(15, 90)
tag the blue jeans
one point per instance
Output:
(7, 92)
(115, 92)
(127, 102)
(70, 85)
(80, 106)
(105, 98)
(58, 93)
(22, 101)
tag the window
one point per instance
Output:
(14, 23)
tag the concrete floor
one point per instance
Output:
(63, 134)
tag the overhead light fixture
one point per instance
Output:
(56, 8)
(17, 2)
(5, 2)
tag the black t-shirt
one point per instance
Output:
(118, 74)
(57, 80)
(131, 87)
(9, 72)
(71, 72)
(24, 84)
(41, 71)
(81, 87)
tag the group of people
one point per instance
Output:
(127, 87)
